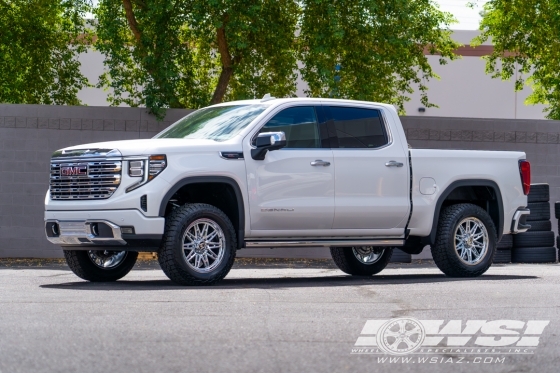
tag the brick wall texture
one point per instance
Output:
(30, 133)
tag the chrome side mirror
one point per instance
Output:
(268, 141)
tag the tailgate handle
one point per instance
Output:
(394, 164)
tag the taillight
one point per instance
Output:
(525, 171)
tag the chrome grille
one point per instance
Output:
(94, 179)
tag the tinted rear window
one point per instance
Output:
(358, 128)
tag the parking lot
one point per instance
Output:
(274, 316)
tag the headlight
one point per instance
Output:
(147, 169)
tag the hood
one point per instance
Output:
(140, 147)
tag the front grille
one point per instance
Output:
(84, 180)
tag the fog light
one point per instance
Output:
(95, 229)
(127, 230)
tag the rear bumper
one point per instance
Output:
(518, 224)
(122, 229)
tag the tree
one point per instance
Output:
(372, 50)
(186, 53)
(526, 39)
(39, 44)
(191, 53)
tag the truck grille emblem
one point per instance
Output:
(74, 171)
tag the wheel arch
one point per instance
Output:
(238, 221)
(458, 192)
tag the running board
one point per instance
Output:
(327, 243)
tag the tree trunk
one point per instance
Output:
(227, 64)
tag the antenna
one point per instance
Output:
(267, 97)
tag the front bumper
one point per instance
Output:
(122, 229)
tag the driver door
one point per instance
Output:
(291, 191)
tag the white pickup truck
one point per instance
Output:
(276, 173)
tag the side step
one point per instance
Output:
(327, 243)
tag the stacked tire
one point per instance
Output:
(503, 249)
(537, 244)
(400, 256)
(557, 216)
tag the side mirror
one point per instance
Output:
(268, 141)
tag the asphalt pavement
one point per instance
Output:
(274, 316)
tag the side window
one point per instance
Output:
(358, 128)
(300, 126)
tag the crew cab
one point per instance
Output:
(275, 173)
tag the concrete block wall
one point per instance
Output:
(28, 136)
(30, 133)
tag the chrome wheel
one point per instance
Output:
(106, 259)
(471, 241)
(368, 254)
(203, 245)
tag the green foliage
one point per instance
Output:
(526, 39)
(39, 44)
(378, 45)
(190, 53)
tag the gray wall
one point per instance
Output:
(30, 133)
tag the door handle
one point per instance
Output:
(394, 164)
(320, 162)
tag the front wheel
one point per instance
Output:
(199, 245)
(361, 260)
(465, 242)
(100, 265)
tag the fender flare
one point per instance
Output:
(211, 179)
(431, 239)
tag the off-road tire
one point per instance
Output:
(533, 255)
(444, 253)
(347, 262)
(534, 239)
(502, 256)
(539, 193)
(170, 254)
(506, 243)
(557, 210)
(540, 226)
(539, 211)
(82, 266)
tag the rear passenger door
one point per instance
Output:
(371, 173)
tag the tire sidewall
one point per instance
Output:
(87, 270)
(360, 269)
(229, 249)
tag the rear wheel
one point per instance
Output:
(100, 265)
(465, 242)
(361, 260)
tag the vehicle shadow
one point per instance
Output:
(279, 282)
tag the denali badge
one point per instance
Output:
(81, 170)
(277, 210)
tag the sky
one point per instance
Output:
(468, 18)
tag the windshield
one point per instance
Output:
(214, 123)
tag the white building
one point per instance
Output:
(464, 90)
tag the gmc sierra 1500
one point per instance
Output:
(281, 173)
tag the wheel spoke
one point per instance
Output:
(211, 254)
(190, 256)
(205, 260)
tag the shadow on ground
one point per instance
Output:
(279, 282)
